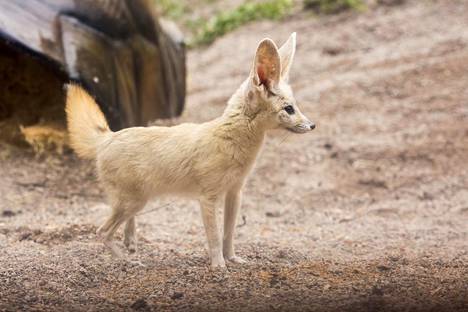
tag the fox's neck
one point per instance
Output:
(240, 127)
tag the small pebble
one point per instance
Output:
(177, 295)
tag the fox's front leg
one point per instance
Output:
(231, 209)
(208, 211)
(130, 240)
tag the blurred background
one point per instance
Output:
(366, 213)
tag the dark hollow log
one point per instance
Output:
(117, 49)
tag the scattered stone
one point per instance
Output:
(140, 305)
(275, 281)
(282, 254)
(377, 291)
(332, 50)
(383, 268)
(24, 236)
(426, 196)
(275, 214)
(177, 295)
(373, 183)
(8, 213)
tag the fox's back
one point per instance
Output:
(188, 158)
(135, 155)
(182, 159)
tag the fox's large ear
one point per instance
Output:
(267, 67)
(286, 53)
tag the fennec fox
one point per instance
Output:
(208, 161)
(44, 137)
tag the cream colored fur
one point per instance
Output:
(208, 161)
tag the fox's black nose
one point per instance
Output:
(312, 126)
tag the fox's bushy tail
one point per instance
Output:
(87, 124)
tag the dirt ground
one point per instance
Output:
(367, 213)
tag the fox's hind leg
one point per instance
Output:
(130, 240)
(123, 210)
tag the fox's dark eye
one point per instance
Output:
(289, 109)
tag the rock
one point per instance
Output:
(373, 183)
(8, 213)
(383, 268)
(274, 214)
(177, 295)
(377, 291)
(140, 305)
(333, 50)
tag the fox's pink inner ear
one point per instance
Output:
(267, 64)
(262, 75)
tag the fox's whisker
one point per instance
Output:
(154, 209)
(286, 136)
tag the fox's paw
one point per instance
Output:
(218, 265)
(115, 251)
(131, 246)
(236, 259)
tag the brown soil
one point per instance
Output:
(367, 213)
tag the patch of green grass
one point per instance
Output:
(203, 30)
(334, 6)
(225, 22)
(172, 9)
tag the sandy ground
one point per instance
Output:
(367, 213)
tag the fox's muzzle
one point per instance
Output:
(303, 127)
